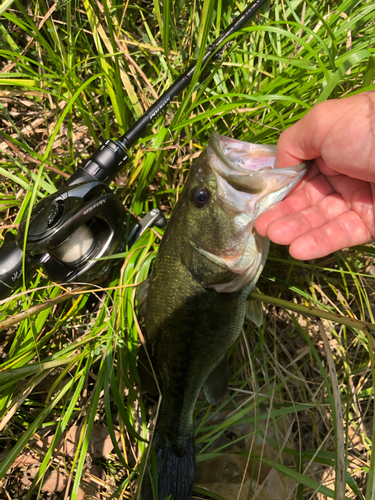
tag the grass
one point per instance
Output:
(76, 73)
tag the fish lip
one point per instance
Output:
(214, 143)
(266, 150)
(259, 177)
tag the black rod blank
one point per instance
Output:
(137, 130)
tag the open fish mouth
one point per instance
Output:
(248, 182)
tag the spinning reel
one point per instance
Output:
(83, 222)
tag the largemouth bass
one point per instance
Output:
(194, 302)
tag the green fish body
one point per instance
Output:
(209, 260)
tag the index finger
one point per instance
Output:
(311, 190)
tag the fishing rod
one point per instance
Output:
(71, 229)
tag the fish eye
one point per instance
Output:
(201, 197)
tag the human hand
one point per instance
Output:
(334, 205)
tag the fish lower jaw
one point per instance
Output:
(243, 270)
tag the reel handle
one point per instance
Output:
(154, 217)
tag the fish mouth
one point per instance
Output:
(247, 184)
(247, 179)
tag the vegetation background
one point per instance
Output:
(74, 73)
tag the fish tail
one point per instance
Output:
(171, 470)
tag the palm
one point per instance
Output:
(327, 212)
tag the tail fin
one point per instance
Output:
(171, 472)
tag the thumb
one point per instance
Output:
(295, 144)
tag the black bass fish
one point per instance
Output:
(194, 303)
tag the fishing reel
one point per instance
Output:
(70, 233)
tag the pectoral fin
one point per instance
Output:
(148, 382)
(145, 371)
(216, 385)
(141, 296)
(254, 311)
